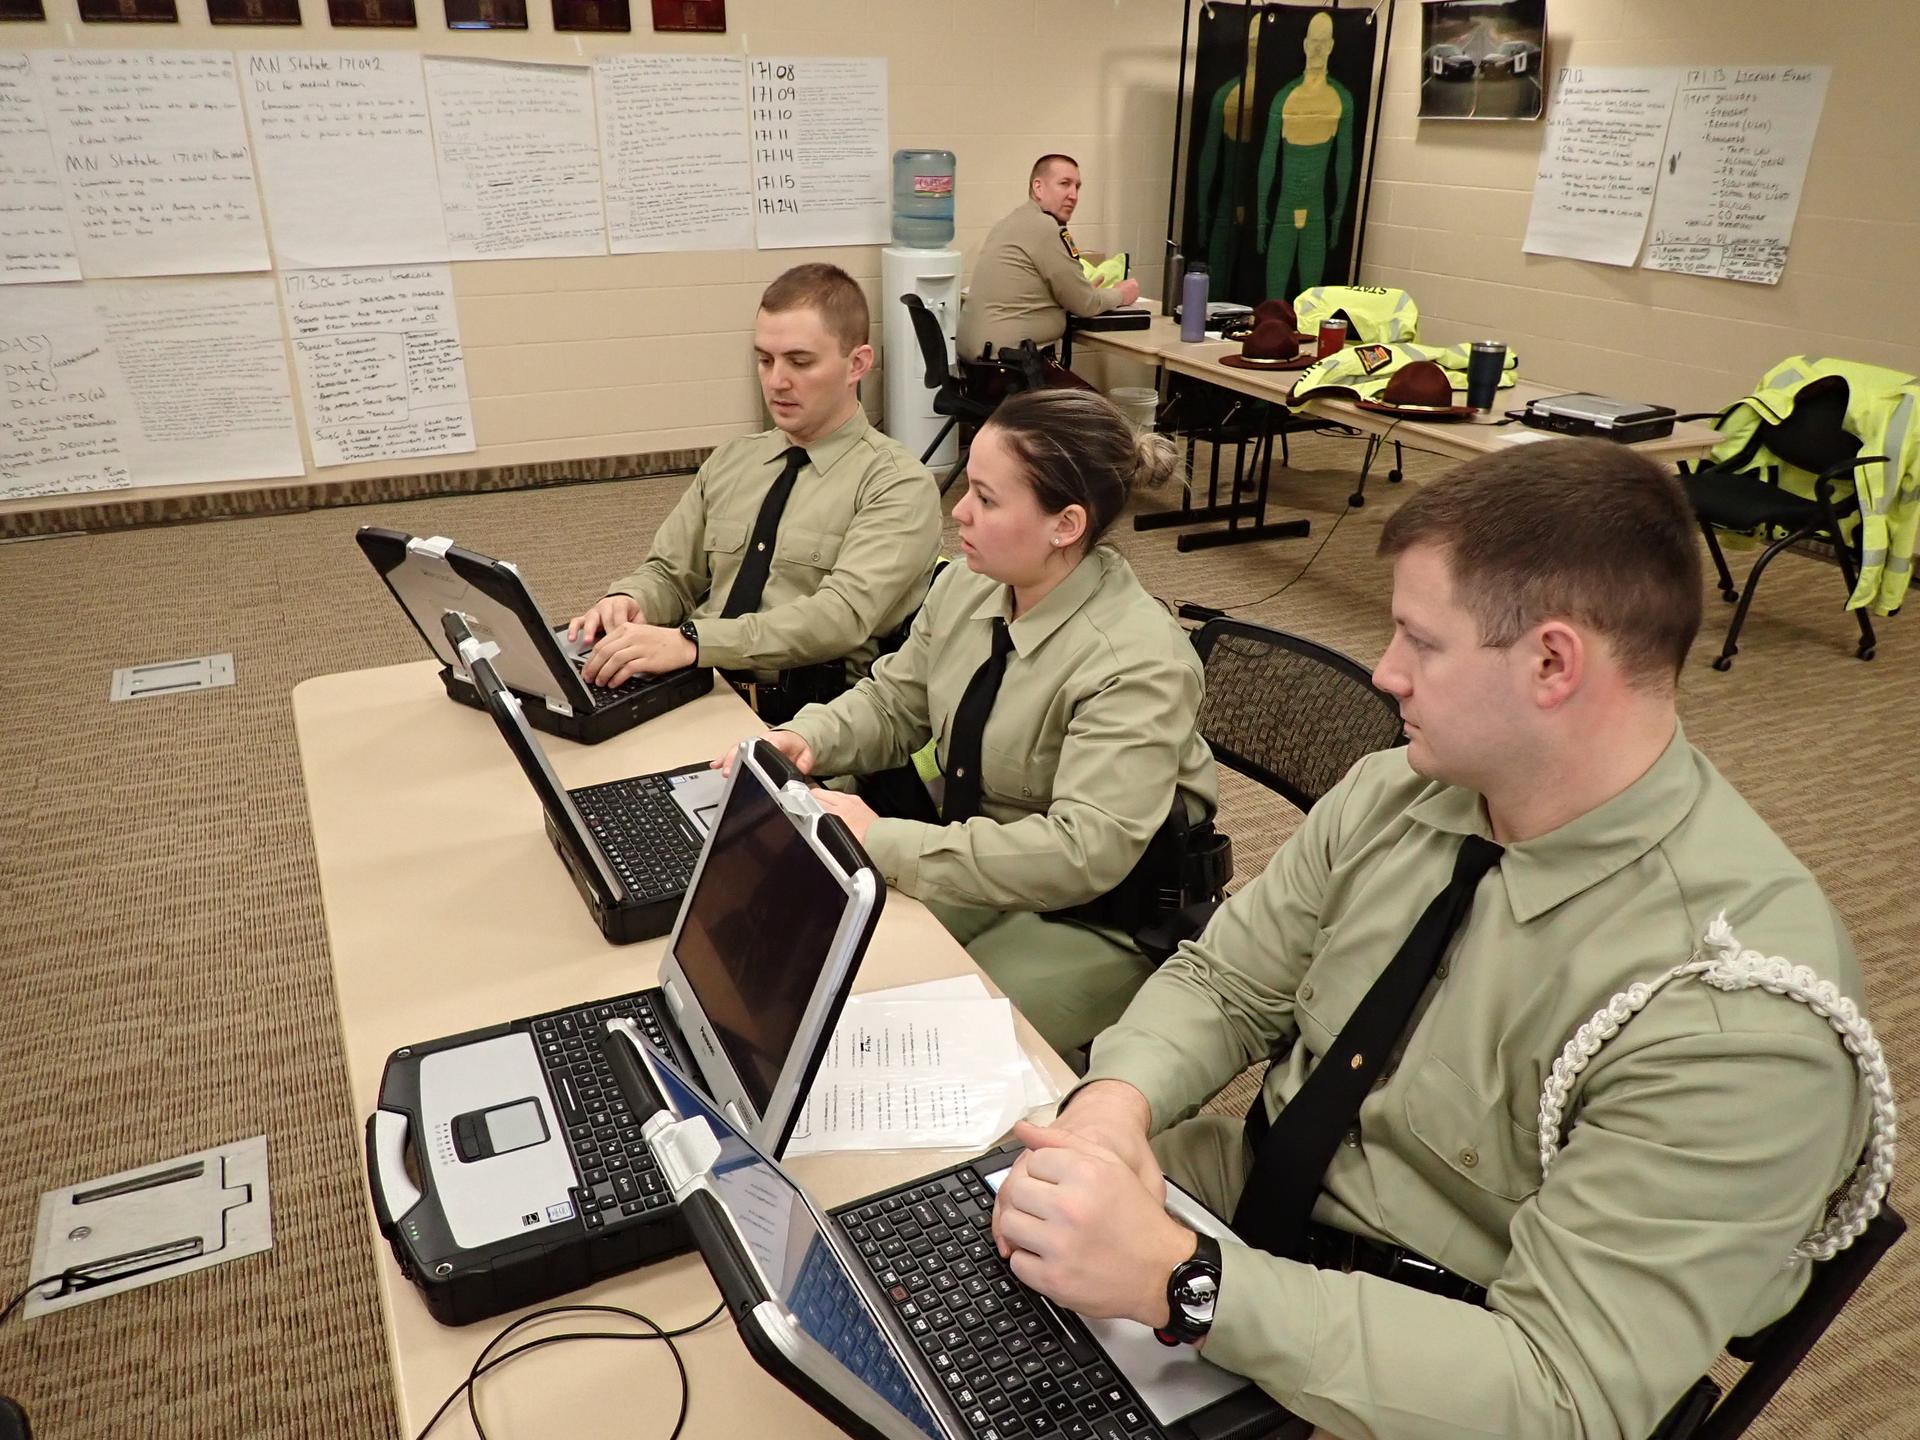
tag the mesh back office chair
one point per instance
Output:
(1773, 1354)
(1288, 712)
(1740, 493)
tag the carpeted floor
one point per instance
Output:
(165, 972)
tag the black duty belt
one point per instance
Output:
(1331, 1249)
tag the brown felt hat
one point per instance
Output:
(1421, 388)
(1271, 346)
(1277, 310)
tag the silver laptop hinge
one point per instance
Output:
(434, 545)
(684, 1149)
(559, 707)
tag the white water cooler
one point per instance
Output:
(934, 275)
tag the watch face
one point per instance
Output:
(1196, 1295)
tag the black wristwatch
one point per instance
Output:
(687, 629)
(1192, 1292)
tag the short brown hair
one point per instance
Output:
(1040, 166)
(1076, 448)
(829, 290)
(1584, 530)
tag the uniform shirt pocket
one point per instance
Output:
(725, 537)
(815, 551)
(1472, 1137)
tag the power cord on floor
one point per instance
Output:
(482, 1364)
(76, 1278)
(1195, 610)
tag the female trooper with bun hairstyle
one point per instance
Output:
(1074, 801)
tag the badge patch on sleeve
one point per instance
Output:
(1373, 357)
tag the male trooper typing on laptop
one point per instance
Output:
(1407, 1265)
(795, 552)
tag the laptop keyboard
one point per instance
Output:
(642, 832)
(1007, 1362)
(823, 1301)
(607, 694)
(619, 1180)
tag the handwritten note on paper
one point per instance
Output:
(673, 152)
(1599, 163)
(35, 241)
(820, 152)
(152, 150)
(150, 382)
(915, 1074)
(207, 369)
(381, 374)
(346, 157)
(67, 418)
(519, 161)
(1730, 179)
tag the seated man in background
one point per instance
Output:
(1027, 278)
(1405, 1263)
(795, 553)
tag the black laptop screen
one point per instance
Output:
(756, 934)
(800, 1267)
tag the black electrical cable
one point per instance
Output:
(1298, 575)
(17, 1301)
(482, 1364)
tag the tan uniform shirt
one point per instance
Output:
(1702, 1141)
(1091, 731)
(1025, 284)
(854, 553)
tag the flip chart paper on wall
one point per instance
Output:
(35, 241)
(673, 152)
(1730, 179)
(381, 373)
(153, 153)
(1600, 162)
(67, 420)
(148, 382)
(519, 158)
(346, 157)
(820, 151)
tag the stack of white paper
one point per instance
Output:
(932, 1066)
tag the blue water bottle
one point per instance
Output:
(1193, 302)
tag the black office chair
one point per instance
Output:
(1773, 1354)
(1288, 712)
(1742, 494)
(950, 390)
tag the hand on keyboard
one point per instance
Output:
(603, 616)
(1085, 1232)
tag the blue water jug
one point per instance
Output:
(923, 198)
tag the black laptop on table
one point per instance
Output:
(430, 576)
(895, 1317)
(506, 1164)
(630, 845)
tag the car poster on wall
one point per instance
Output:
(1482, 59)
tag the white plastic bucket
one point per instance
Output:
(1137, 403)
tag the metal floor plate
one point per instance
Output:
(172, 677)
(149, 1224)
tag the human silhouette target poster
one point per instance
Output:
(1278, 125)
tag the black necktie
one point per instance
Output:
(1290, 1154)
(969, 724)
(744, 597)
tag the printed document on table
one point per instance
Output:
(915, 1074)
(1040, 1090)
